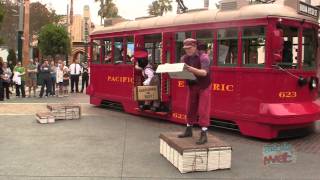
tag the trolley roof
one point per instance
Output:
(246, 12)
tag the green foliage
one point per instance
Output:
(154, 9)
(2, 14)
(12, 58)
(40, 15)
(107, 9)
(159, 7)
(54, 40)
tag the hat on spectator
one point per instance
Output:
(188, 43)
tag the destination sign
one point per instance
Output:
(307, 9)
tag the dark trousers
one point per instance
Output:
(74, 82)
(22, 88)
(46, 82)
(53, 85)
(1, 91)
(6, 90)
(85, 81)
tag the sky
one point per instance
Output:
(129, 9)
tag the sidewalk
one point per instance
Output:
(114, 145)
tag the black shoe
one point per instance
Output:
(187, 133)
(144, 107)
(203, 138)
(155, 109)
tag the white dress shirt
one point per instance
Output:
(75, 69)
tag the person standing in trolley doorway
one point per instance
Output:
(199, 94)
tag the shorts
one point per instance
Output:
(32, 83)
(65, 82)
(60, 84)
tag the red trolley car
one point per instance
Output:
(263, 56)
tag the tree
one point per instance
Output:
(54, 40)
(159, 7)
(2, 14)
(107, 9)
(12, 58)
(40, 15)
(154, 9)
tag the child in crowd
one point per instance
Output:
(66, 77)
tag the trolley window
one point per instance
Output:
(253, 46)
(180, 37)
(95, 59)
(130, 49)
(152, 44)
(309, 49)
(290, 47)
(205, 42)
(228, 47)
(117, 49)
(106, 50)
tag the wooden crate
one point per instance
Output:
(45, 118)
(65, 111)
(185, 155)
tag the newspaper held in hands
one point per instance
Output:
(176, 71)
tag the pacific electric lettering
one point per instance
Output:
(215, 86)
(120, 79)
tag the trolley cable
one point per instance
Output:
(286, 71)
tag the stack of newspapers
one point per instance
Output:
(65, 111)
(45, 118)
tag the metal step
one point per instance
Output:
(112, 105)
(224, 125)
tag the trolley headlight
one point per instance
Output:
(302, 81)
(313, 83)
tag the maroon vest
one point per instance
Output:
(195, 61)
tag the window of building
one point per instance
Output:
(154, 47)
(95, 59)
(227, 47)
(180, 37)
(253, 46)
(205, 42)
(107, 53)
(309, 49)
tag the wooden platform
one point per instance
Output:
(185, 155)
(45, 118)
(65, 111)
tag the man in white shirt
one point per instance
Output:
(75, 71)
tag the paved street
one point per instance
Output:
(107, 144)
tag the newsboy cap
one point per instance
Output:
(188, 43)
